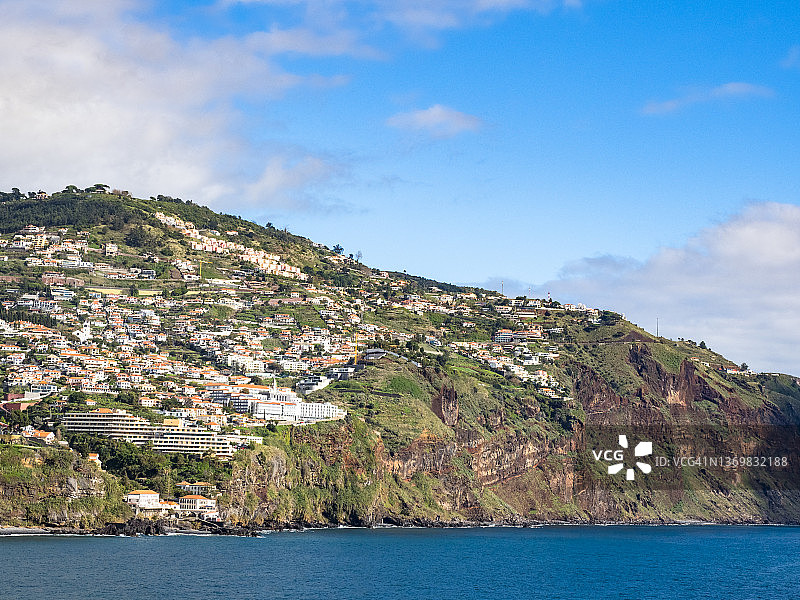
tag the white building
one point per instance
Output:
(198, 487)
(312, 383)
(175, 435)
(194, 503)
(143, 499)
(274, 403)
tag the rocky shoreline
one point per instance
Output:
(138, 527)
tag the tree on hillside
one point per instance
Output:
(141, 237)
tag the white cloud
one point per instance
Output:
(734, 285)
(423, 18)
(89, 93)
(437, 121)
(735, 89)
(285, 182)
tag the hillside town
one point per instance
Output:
(166, 366)
(182, 361)
(117, 342)
(107, 341)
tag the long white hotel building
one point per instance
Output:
(174, 435)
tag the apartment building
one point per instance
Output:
(175, 435)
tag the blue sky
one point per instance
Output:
(596, 150)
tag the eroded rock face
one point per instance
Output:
(506, 457)
(445, 405)
(693, 388)
(426, 454)
(250, 488)
(51, 487)
(84, 487)
(656, 379)
(598, 399)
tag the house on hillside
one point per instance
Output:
(36, 435)
(143, 499)
(148, 503)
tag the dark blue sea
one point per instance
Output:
(631, 562)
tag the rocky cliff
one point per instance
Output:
(499, 457)
(57, 488)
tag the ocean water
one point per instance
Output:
(626, 562)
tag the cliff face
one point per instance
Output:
(328, 474)
(520, 458)
(55, 487)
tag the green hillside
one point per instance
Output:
(479, 408)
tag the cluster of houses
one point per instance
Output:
(266, 262)
(56, 250)
(32, 237)
(119, 343)
(149, 504)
